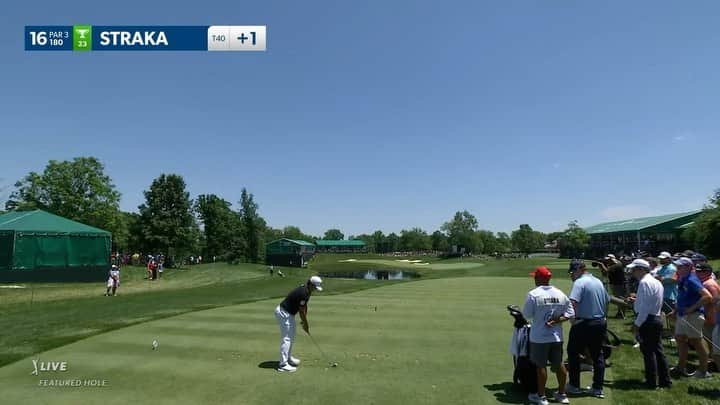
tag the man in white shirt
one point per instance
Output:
(548, 307)
(113, 280)
(648, 325)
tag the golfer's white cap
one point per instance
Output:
(317, 282)
(664, 255)
(639, 263)
(610, 256)
(114, 266)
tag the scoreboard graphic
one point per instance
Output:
(85, 38)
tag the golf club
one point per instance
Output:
(331, 363)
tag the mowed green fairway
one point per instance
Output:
(429, 342)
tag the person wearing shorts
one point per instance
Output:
(548, 307)
(692, 297)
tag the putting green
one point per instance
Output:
(429, 342)
(417, 265)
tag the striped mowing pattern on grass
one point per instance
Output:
(429, 342)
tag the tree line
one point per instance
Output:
(171, 222)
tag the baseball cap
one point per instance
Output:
(610, 256)
(114, 266)
(541, 272)
(703, 267)
(576, 264)
(317, 282)
(664, 255)
(642, 263)
(684, 261)
(698, 257)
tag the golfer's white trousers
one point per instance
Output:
(287, 333)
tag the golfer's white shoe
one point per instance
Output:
(287, 368)
(534, 398)
(573, 390)
(293, 361)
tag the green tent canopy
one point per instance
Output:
(39, 246)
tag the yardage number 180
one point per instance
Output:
(42, 38)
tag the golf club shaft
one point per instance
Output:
(319, 349)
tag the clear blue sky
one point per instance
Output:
(386, 114)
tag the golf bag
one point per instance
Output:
(524, 371)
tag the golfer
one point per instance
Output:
(295, 302)
(648, 325)
(692, 296)
(548, 308)
(590, 301)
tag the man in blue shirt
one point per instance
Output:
(590, 301)
(692, 296)
(666, 274)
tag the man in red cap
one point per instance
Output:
(548, 307)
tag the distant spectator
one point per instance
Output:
(615, 271)
(113, 282)
(692, 297)
(648, 325)
(667, 275)
(160, 265)
(704, 272)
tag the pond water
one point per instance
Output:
(373, 275)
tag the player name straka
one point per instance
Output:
(129, 38)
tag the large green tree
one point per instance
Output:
(379, 244)
(574, 241)
(220, 225)
(461, 231)
(526, 240)
(294, 232)
(77, 189)
(253, 228)
(333, 234)
(704, 234)
(392, 243)
(439, 241)
(414, 240)
(488, 241)
(504, 243)
(134, 242)
(167, 223)
(368, 239)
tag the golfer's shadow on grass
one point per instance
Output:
(506, 393)
(273, 365)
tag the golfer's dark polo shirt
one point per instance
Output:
(296, 299)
